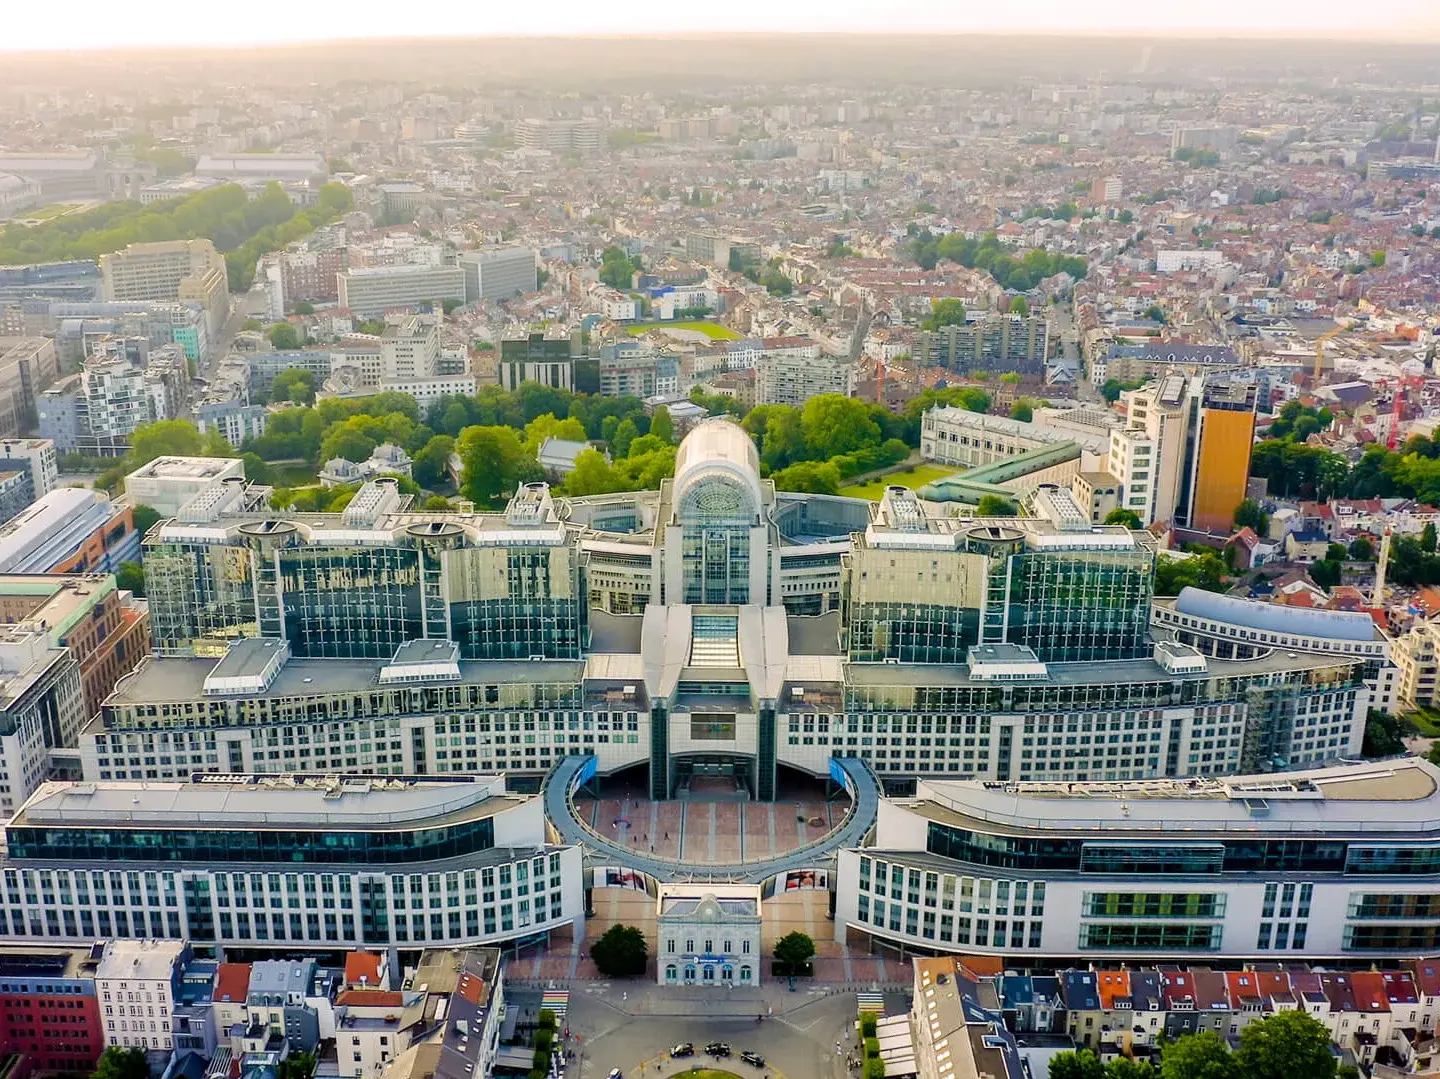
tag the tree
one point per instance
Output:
(793, 953)
(214, 444)
(1362, 550)
(1249, 515)
(297, 1066)
(1384, 737)
(145, 517)
(1121, 516)
(304, 307)
(1325, 573)
(815, 477)
(256, 470)
(617, 269)
(117, 1063)
(625, 434)
(283, 336)
(1019, 306)
(1286, 1045)
(944, 312)
(835, 424)
(450, 303)
(431, 466)
(621, 952)
(1206, 571)
(295, 385)
(1427, 538)
(1076, 1065)
(1125, 1068)
(131, 576)
(661, 425)
(1203, 1055)
(493, 463)
(163, 438)
(996, 506)
(1022, 410)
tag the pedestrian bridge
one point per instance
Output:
(851, 773)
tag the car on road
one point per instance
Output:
(615, 1073)
(718, 1049)
(684, 1049)
(755, 1060)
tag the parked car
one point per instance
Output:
(755, 1060)
(718, 1049)
(684, 1049)
(615, 1073)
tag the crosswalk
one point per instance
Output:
(870, 1002)
(558, 1001)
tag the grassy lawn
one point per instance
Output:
(712, 330)
(919, 477)
(294, 475)
(1425, 722)
(45, 213)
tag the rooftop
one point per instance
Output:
(1372, 798)
(281, 801)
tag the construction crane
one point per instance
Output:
(1320, 349)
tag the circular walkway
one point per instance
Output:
(558, 794)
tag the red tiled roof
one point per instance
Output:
(362, 968)
(232, 983)
(371, 998)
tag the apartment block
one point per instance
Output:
(498, 272)
(372, 291)
(184, 270)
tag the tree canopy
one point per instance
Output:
(793, 953)
(621, 952)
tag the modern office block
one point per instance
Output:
(713, 627)
(373, 290)
(298, 861)
(498, 273)
(171, 270)
(1328, 862)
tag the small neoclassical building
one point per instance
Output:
(708, 934)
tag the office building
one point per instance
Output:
(182, 270)
(698, 629)
(793, 369)
(104, 629)
(1331, 862)
(76, 281)
(28, 366)
(167, 483)
(550, 361)
(284, 862)
(310, 275)
(49, 1012)
(559, 136)
(638, 370)
(370, 291)
(957, 436)
(708, 248)
(143, 978)
(988, 341)
(499, 272)
(1204, 137)
(42, 707)
(708, 935)
(70, 530)
(1176, 261)
(1184, 454)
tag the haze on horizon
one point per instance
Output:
(93, 24)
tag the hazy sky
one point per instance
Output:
(27, 24)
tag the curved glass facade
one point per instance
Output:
(241, 845)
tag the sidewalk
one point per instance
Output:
(643, 998)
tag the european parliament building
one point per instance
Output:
(713, 627)
(328, 744)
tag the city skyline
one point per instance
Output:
(168, 24)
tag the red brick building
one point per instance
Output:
(49, 1015)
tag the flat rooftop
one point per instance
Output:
(160, 680)
(1380, 798)
(371, 803)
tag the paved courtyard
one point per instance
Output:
(712, 832)
(567, 958)
(632, 1027)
